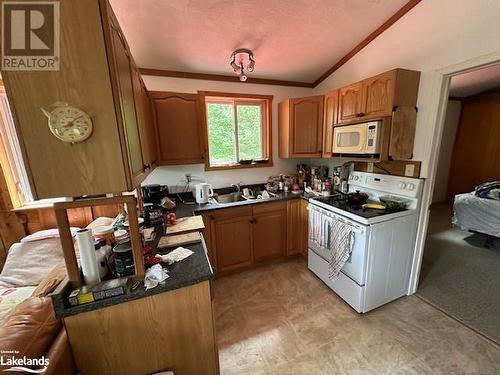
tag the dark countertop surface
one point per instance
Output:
(184, 209)
(189, 271)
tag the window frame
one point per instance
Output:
(264, 100)
(11, 156)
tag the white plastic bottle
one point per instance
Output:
(88, 260)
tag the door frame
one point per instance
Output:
(441, 81)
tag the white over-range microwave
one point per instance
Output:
(362, 138)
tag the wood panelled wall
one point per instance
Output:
(476, 154)
(44, 218)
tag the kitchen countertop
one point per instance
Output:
(184, 209)
(192, 270)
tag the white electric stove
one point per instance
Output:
(378, 269)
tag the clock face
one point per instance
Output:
(70, 124)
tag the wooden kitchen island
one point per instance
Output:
(170, 327)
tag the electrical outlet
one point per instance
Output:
(409, 170)
(369, 167)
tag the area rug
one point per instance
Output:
(460, 276)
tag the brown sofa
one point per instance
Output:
(32, 329)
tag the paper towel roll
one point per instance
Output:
(88, 260)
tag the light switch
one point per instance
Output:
(409, 170)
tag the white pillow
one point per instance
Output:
(28, 263)
(47, 233)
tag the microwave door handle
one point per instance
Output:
(363, 140)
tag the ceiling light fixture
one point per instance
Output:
(239, 59)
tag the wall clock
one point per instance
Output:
(68, 123)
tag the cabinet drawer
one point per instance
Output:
(268, 207)
(231, 212)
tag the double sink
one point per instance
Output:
(225, 196)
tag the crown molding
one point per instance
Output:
(221, 77)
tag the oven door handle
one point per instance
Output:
(355, 227)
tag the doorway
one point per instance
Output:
(460, 271)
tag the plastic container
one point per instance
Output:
(124, 259)
(102, 256)
(105, 232)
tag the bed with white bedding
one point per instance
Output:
(28, 262)
(477, 214)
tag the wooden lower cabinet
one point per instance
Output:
(297, 227)
(233, 242)
(269, 235)
(172, 331)
(242, 236)
(304, 225)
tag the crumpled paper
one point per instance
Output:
(154, 276)
(176, 255)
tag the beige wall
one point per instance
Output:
(432, 36)
(445, 152)
(174, 175)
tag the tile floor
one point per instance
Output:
(281, 319)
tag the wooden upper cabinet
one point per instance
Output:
(124, 76)
(330, 120)
(378, 96)
(145, 121)
(96, 76)
(178, 128)
(350, 100)
(301, 127)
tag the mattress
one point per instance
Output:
(477, 214)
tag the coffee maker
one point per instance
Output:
(154, 193)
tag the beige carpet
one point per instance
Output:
(461, 276)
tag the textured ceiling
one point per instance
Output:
(292, 39)
(475, 82)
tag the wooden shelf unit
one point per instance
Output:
(60, 209)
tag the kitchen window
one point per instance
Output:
(238, 129)
(11, 159)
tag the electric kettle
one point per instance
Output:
(203, 192)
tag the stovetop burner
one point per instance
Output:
(341, 203)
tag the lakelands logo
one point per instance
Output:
(23, 364)
(30, 35)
